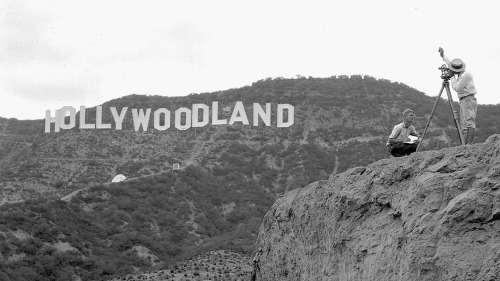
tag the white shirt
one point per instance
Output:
(464, 84)
(400, 132)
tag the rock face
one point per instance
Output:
(429, 216)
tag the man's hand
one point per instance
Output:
(441, 52)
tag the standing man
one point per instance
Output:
(399, 143)
(463, 83)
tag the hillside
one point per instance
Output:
(128, 227)
(430, 216)
(213, 265)
(342, 118)
(230, 174)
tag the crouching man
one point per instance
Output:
(400, 143)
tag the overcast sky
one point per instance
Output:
(61, 52)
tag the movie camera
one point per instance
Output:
(446, 73)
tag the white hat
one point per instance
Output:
(457, 65)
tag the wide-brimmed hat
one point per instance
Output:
(457, 65)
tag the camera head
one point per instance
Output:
(446, 73)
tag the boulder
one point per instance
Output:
(433, 215)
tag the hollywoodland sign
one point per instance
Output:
(183, 118)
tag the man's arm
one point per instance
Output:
(415, 133)
(441, 53)
(447, 61)
(394, 141)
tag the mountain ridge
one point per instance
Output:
(336, 100)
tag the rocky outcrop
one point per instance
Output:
(429, 216)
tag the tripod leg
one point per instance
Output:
(455, 118)
(430, 117)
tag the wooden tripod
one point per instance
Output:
(446, 85)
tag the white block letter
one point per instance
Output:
(118, 118)
(98, 119)
(178, 115)
(280, 116)
(84, 125)
(239, 114)
(205, 117)
(264, 115)
(141, 119)
(166, 121)
(54, 120)
(72, 115)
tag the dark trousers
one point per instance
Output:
(402, 149)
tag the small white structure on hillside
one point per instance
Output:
(119, 178)
(176, 166)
